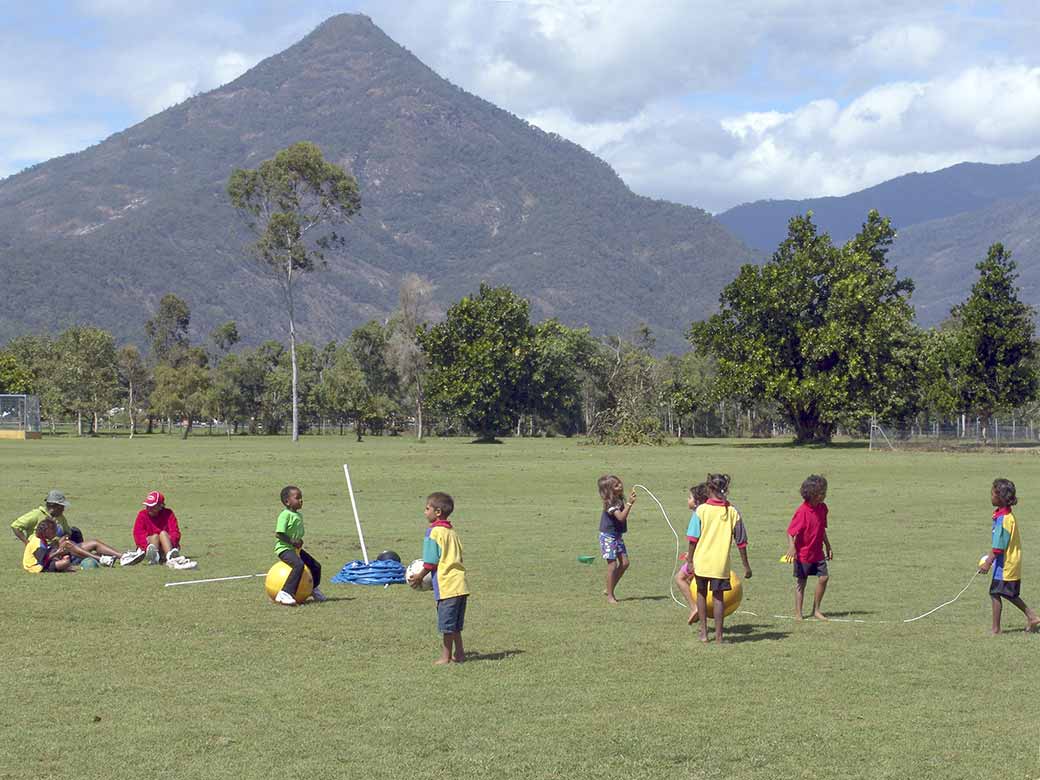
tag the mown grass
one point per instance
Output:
(108, 674)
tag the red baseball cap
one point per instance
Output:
(154, 499)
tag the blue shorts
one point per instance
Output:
(612, 546)
(451, 614)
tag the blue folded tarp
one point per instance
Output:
(372, 573)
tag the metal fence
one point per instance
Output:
(962, 432)
(20, 413)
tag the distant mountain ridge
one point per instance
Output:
(452, 188)
(908, 199)
(945, 221)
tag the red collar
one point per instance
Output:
(440, 524)
(1000, 511)
(716, 502)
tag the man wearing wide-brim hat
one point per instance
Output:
(54, 506)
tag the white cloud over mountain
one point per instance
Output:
(708, 103)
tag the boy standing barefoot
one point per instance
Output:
(442, 555)
(809, 548)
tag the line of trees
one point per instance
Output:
(818, 339)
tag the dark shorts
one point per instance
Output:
(1009, 589)
(451, 614)
(713, 584)
(803, 570)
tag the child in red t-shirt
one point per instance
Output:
(809, 548)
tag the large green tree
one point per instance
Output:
(994, 349)
(826, 332)
(478, 360)
(289, 202)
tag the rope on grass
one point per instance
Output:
(675, 568)
(878, 622)
(929, 612)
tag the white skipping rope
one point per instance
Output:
(671, 582)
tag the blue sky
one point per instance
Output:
(706, 103)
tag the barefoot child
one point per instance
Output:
(1005, 556)
(289, 548)
(442, 555)
(684, 577)
(808, 548)
(613, 522)
(714, 525)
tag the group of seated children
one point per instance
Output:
(716, 523)
(52, 544)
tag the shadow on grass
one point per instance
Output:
(328, 600)
(501, 655)
(645, 598)
(850, 613)
(746, 632)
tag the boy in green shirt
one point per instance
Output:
(289, 548)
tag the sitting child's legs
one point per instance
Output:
(97, 546)
(292, 582)
(313, 565)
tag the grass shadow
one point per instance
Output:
(328, 600)
(645, 598)
(749, 632)
(501, 655)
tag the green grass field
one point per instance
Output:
(107, 673)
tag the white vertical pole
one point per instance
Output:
(353, 505)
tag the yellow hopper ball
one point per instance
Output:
(279, 573)
(730, 599)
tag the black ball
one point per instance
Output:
(388, 555)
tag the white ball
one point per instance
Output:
(415, 569)
(982, 561)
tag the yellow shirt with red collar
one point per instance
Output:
(442, 554)
(713, 526)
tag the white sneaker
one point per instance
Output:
(285, 598)
(174, 553)
(106, 560)
(132, 557)
(152, 554)
(318, 595)
(180, 562)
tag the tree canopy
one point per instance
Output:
(825, 332)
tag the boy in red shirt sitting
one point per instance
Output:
(809, 548)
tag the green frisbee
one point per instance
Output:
(586, 558)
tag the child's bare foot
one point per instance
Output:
(612, 600)
(798, 618)
(692, 618)
(444, 659)
(1032, 626)
(995, 631)
(722, 641)
(704, 638)
(819, 615)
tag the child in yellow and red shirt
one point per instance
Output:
(1005, 556)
